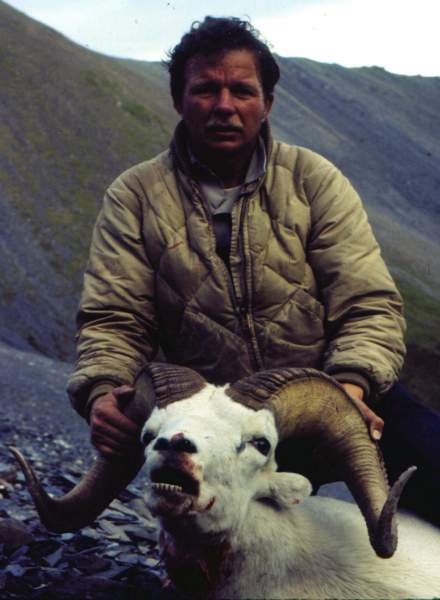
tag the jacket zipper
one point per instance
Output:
(222, 266)
(246, 307)
(242, 309)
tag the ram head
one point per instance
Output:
(299, 418)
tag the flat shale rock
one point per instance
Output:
(14, 534)
(114, 558)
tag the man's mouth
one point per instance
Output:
(220, 128)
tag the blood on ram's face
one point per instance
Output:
(207, 457)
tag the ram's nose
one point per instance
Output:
(176, 443)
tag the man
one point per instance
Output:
(231, 251)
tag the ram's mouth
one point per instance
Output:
(172, 481)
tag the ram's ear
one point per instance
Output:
(285, 489)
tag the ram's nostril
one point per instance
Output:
(178, 443)
(182, 444)
(162, 444)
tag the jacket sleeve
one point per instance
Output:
(364, 313)
(117, 328)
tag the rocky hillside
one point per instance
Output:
(71, 120)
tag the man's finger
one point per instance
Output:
(102, 440)
(107, 451)
(123, 394)
(112, 433)
(105, 409)
(374, 423)
(376, 428)
(120, 437)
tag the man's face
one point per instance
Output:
(223, 105)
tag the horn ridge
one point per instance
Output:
(173, 382)
(322, 435)
(260, 388)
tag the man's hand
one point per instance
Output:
(112, 433)
(375, 424)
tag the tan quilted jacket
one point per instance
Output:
(306, 287)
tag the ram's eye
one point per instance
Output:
(147, 437)
(262, 445)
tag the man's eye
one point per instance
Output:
(262, 445)
(242, 92)
(203, 90)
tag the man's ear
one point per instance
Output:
(284, 489)
(268, 102)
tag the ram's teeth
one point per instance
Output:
(167, 487)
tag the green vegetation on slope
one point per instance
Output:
(74, 121)
(422, 312)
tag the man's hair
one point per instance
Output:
(216, 35)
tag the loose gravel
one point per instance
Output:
(117, 556)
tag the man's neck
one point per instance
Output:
(231, 170)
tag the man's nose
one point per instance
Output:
(224, 102)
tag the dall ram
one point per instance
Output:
(232, 526)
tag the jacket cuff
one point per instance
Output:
(355, 379)
(99, 389)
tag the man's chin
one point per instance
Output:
(223, 147)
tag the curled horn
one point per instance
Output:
(323, 436)
(86, 501)
(172, 382)
(155, 384)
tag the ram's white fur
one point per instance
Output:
(281, 542)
